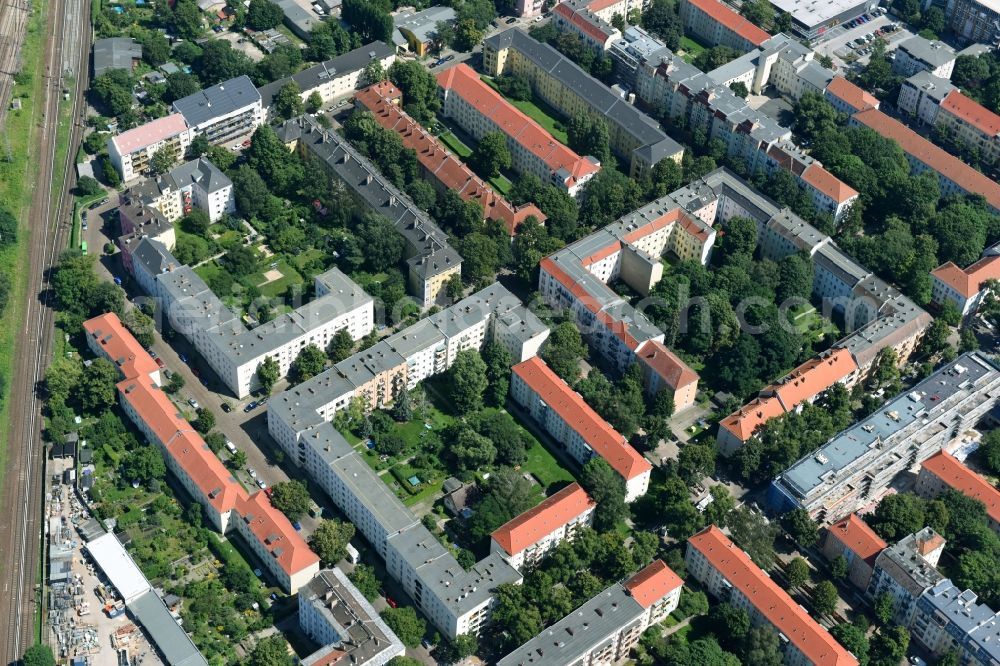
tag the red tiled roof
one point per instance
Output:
(745, 421)
(273, 530)
(972, 112)
(935, 158)
(119, 345)
(813, 377)
(668, 365)
(214, 481)
(828, 184)
(453, 174)
(780, 610)
(585, 23)
(857, 537)
(851, 94)
(598, 5)
(570, 406)
(730, 19)
(554, 512)
(968, 282)
(153, 406)
(150, 133)
(464, 81)
(652, 583)
(957, 476)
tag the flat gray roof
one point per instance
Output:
(934, 53)
(979, 624)
(115, 53)
(172, 641)
(218, 100)
(423, 24)
(933, 86)
(813, 13)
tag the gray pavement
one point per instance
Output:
(836, 42)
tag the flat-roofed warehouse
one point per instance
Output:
(812, 18)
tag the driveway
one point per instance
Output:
(836, 41)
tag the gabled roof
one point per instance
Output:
(745, 421)
(652, 583)
(969, 281)
(149, 133)
(857, 537)
(972, 112)
(273, 530)
(668, 365)
(855, 97)
(731, 20)
(812, 378)
(586, 21)
(120, 346)
(955, 475)
(780, 610)
(919, 148)
(828, 184)
(606, 442)
(534, 524)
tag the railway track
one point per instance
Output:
(50, 218)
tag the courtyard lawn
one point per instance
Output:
(811, 324)
(301, 260)
(691, 48)
(209, 271)
(289, 277)
(540, 112)
(544, 467)
(501, 184)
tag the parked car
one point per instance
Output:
(230, 446)
(183, 358)
(392, 602)
(226, 407)
(194, 403)
(298, 526)
(261, 484)
(160, 364)
(511, 20)
(250, 407)
(252, 472)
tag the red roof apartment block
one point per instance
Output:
(152, 132)
(584, 23)
(953, 474)
(382, 100)
(674, 372)
(856, 536)
(971, 112)
(535, 524)
(731, 20)
(559, 159)
(827, 184)
(851, 95)
(154, 410)
(813, 641)
(606, 442)
(273, 530)
(938, 160)
(652, 583)
(968, 282)
(108, 337)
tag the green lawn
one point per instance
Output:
(809, 322)
(306, 257)
(207, 272)
(290, 277)
(691, 48)
(543, 466)
(501, 184)
(540, 112)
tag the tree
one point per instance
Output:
(402, 408)
(196, 222)
(405, 624)
(884, 607)
(839, 567)
(897, 516)
(692, 603)
(187, 20)
(514, 87)
(238, 460)
(271, 651)
(330, 540)
(662, 19)
(176, 383)
(314, 102)
(800, 527)
(291, 498)
(369, 19)
(365, 580)
(716, 57)
(143, 464)
(268, 373)
(467, 36)
(219, 62)
(854, 639)
(498, 364)
(564, 350)
(205, 420)
(288, 101)
(180, 85)
(465, 645)
(508, 438)
(888, 646)
(39, 655)
(383, 246)
(467, 382)
(374, 72)
(155, 47)
(86, 186)
(310, 362)
(759, 12)
(752, 532)
(695, 462)
(588, 135)
(607, 488)
(162, 161)
(797, 572)
(97, 385)
(491, 155)
(729, 623)
(264, 15)
(824, 598)
(739, 89)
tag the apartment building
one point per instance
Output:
(716, 24)
(921, 96)
(847, 97)
(194, 184)
(664, 370)
(965, 288)
(131, 151)
(852, 539)
(730, 575)
(954, 175)
(333, 79)
(224, 112)
(629, 52)
(443, 168)
(943, 471)
(334, 614)
(576, 277)
(456, 601)
(605, 629)
(575, 17)
(234, 351)
(525, 540)
(571, 422)
(431, 261)
(635, 138)
(974, 20)
(857, 465)
(479, 110)
(918, 54)
(905, 570)
(950, 620)
(276, 544)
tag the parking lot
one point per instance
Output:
(839, 43)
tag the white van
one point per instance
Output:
(230, 446)
(353, 556)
